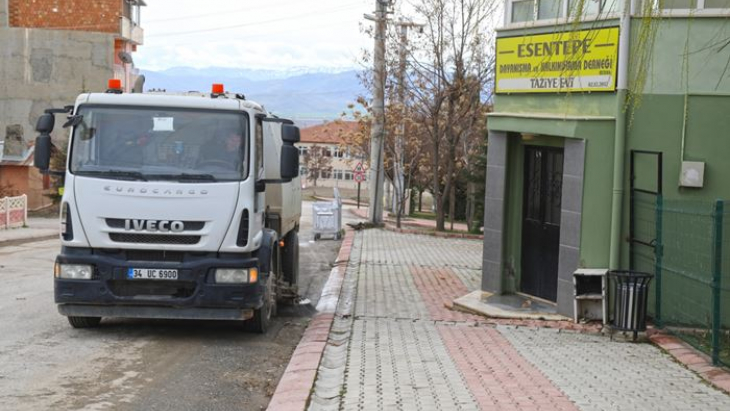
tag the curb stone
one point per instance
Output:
(295, 385)
(26, 240)
(693, 359)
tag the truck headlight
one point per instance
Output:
(73, 271)
(236, 275)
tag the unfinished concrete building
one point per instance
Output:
(52, 51)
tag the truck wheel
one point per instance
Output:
(84, 322)
(262, 317)
(290, 258)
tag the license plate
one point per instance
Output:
(151, 274)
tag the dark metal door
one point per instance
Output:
(543, 185)
(645, 220)
(645, 191)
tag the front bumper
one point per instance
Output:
(193, 295)
(170, 313)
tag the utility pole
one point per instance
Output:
(399, 180)
(377, 130)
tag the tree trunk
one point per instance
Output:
(451, 159)
(399, 206)
(470, 206)
(441, 203)
(452, 205)
(437, 197)
(420, 200)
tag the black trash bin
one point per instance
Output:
(630, 298)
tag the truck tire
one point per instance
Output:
(262, 317)
(84, 322)
(290, 258)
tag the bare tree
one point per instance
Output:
(318, 162)
(455, 66)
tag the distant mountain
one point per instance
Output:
(301, 93)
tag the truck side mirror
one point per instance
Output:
(45, 123)
(290, 134)
(289, 162)
(42, 155)
(289, 153)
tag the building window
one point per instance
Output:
(717, 4)
(303, 151)
(529, 10)
(523, 10)
(302, 171)
(341, 152)
(686, 5)
(326, 151)
(678, 4)
(590, 7)
(549, 9)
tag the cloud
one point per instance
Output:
(278, 34)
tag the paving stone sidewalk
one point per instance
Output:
(396, 344)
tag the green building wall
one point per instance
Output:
(675, 85)
(686, 97)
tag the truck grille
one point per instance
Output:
(171, 289)
(189, 225)
(155, 238)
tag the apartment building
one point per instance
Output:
(331, 137)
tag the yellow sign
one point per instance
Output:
(583, 60)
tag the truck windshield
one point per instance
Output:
(160, 144)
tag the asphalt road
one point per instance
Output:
(140, 364)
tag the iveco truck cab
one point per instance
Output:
(175, 206)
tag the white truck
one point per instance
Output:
(175, 206)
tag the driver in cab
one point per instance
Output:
(224, 150)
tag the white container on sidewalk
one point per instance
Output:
(327, 216)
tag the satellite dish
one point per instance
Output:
(125, 57)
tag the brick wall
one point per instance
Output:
(85, 15)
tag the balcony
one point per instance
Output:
(131, 32)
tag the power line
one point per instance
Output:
(257, 23)
(340, 23)
(228, 12)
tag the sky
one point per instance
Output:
(270, 34)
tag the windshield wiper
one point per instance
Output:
(182, 177)
(119, 174)
(197, 177)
